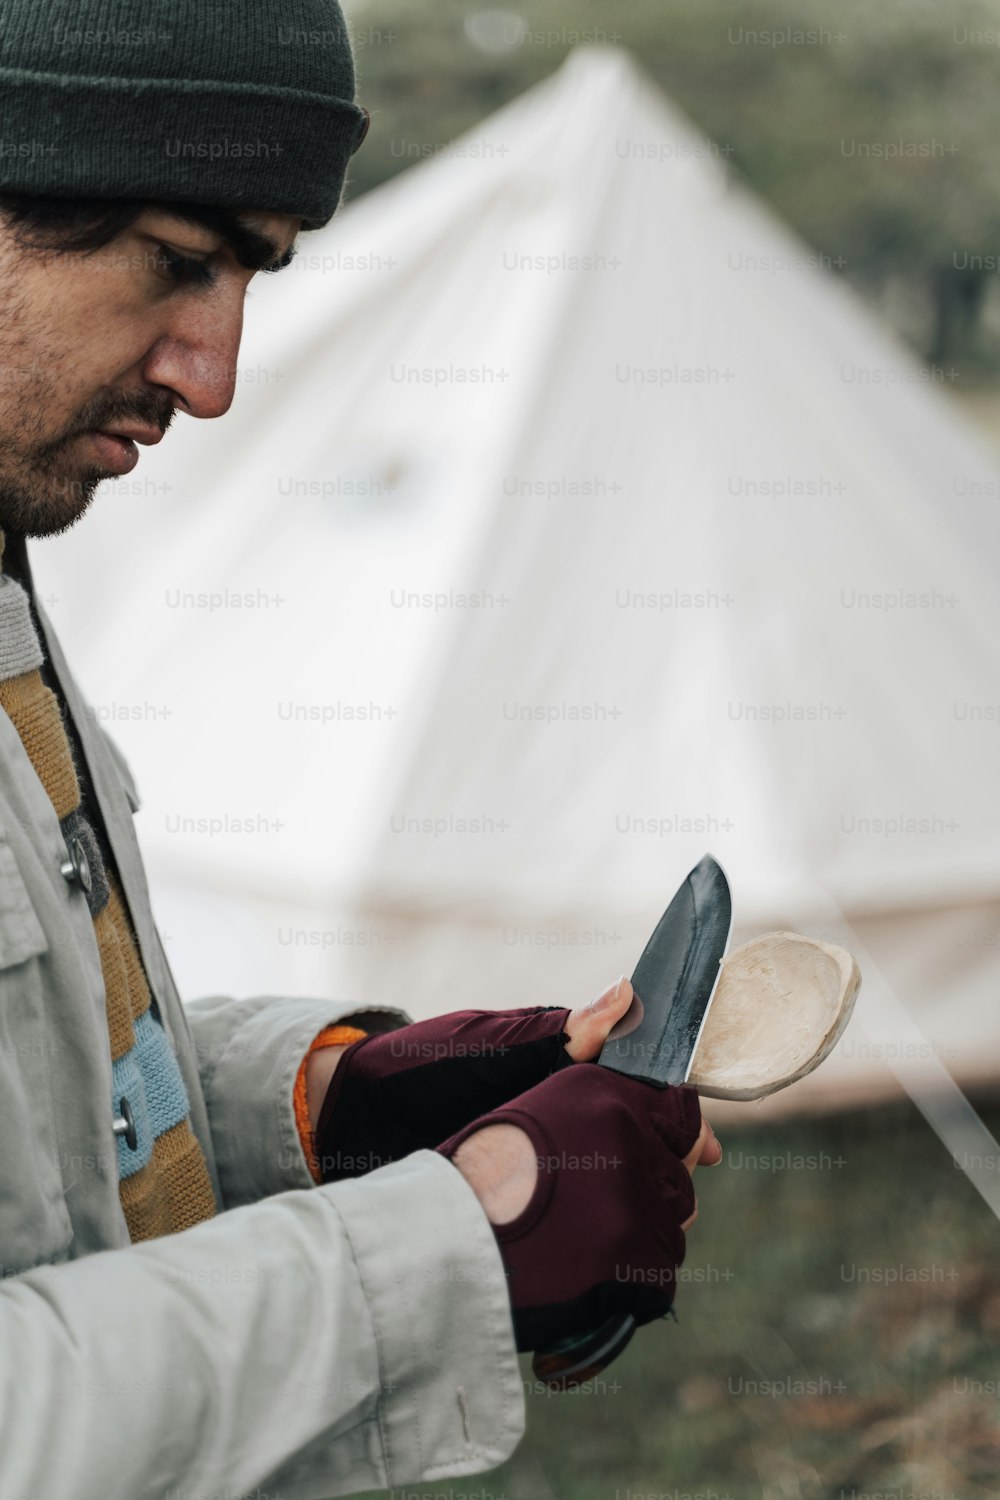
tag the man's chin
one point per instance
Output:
(40, 512)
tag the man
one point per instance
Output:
(246, 1246)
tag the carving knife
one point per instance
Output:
(674, 982)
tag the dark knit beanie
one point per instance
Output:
(233, 103)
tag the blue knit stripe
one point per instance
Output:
(149, 1077)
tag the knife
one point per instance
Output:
(674, 984)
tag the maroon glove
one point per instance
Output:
(405, 1090)
(601, 1233)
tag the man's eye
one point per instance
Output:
(184, 269)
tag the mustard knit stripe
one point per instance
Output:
(172, 1191)
(115, 973)
(34, 710)
(138, 988)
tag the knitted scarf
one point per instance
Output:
(163, 1178)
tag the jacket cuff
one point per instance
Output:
(250, 1053)
(452, 1397)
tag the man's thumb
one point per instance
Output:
(588, 1025)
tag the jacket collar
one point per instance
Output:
(104, 775)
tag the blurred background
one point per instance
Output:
(614, 480)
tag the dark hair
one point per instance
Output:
(67, 223)
(85, 224)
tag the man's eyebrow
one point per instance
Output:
(253, 250)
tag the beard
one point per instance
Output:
(45, 500)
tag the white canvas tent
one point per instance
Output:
(555, 573)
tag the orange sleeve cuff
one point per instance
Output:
(330, 1036)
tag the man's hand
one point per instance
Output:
(586, 1179)
(399, 1091)
(587, 1028)
(500, 1166)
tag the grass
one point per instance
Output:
(839, 1324)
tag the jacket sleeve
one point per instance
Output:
(354, 1336)
(248, 1055)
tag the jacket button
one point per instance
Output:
(125, 1124)
(76, 868)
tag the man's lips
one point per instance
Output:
(118, 455)
(134, 433)
(116, 447)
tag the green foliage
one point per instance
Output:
(916, 81)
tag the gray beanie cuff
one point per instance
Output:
(239, 145)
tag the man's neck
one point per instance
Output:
(15, 559)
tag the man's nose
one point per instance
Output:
(196, 360)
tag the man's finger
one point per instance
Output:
(706, 1151)
(588, 1025)
(712, 1151)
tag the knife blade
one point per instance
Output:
(675, 982)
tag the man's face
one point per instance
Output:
(109, 341)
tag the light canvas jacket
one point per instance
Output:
(306, 1342)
